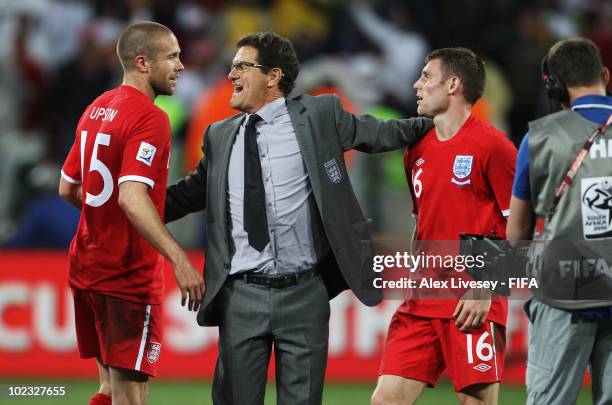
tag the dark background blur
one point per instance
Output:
(56, 56)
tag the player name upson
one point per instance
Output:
(104, 114)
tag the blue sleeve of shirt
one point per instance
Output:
(521, 188)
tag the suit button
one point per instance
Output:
(226, 265)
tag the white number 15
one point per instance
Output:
(97, 166)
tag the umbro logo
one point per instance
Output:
(482, 367)
(419, 162)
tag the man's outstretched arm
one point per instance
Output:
(371, 135)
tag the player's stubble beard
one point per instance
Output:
(433, 111)
(162, 87)
(427, 113)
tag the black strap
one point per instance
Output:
(255, 219)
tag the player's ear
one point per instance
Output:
(453, 85)
(142, 63)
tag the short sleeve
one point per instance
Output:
(71, 171)
(500, 172)
(522, 186)
(146, 150)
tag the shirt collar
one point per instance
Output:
(269, 111)
(134, 90)
(592, 101)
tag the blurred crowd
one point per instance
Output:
(56, 56)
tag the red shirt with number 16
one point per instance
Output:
(122, 136)
(460, 185)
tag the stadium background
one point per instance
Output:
(57, 55)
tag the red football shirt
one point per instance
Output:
(122, 136)
(463, 184)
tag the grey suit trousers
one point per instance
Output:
(253, 319)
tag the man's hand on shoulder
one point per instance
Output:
(472, 309)
(422, 126)
(418, 128)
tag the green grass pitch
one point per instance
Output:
(198, 393)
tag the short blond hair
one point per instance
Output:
(139, 39)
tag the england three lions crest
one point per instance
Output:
(462, 167)
(153, 352)
(333, 170)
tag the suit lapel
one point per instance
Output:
(304, 134)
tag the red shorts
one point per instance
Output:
(421, 348)
(124, 334)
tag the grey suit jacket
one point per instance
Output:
(324, 131)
